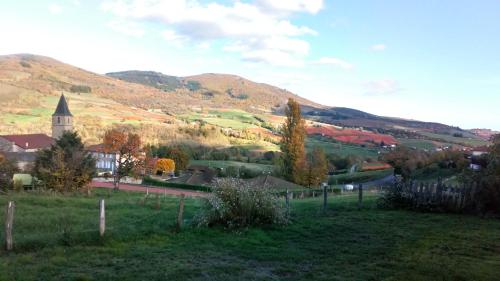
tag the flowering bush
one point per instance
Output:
(233, 204)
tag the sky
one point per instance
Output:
(426, 60)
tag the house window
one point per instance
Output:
(58, 120)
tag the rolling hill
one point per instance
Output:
(168, 107)
(217, 90)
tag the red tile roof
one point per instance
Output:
(30, 141)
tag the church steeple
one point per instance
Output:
(62, 119)
(62, 108)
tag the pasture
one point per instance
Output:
(340, 149)
(235, 119)
(418, 143)
(262, 168)
(467, 141)
(56, 238)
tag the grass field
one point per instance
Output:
(359, 177)
(235, 119)
(417, 143)
(340, 149)
(457, 140)
(224, 164)
(342, 244)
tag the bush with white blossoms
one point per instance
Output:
(233, 204)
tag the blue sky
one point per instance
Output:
(426, 60)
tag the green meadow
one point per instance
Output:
(56, 238)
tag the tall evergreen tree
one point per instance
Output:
(66, 166)
(292, 143)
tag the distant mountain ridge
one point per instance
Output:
(217, 89)
(28, 84)
(150, 78)
(235, 87)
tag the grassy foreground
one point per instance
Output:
(343, 244)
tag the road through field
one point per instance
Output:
(150, 189)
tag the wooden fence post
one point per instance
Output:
(325, 197)
(102, 218)
(180, 213)
(157, 206)
(287, 203)
(360, 195)
(9, 223)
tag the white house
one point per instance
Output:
(106, 162)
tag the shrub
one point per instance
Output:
(248, 173)
(193, 85)
(80, 89)
(18, 185)
(393, 198)
(219, 156)
(234, 204)
(242, 96)
(25, 64)
(7, 170)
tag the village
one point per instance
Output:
(250, 140)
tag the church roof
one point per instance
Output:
(30, 141)
(62, 108)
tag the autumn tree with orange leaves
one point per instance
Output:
(165, 165)
(127, 146)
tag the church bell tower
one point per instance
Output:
(62, 119)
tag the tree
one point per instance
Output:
(180, 157)
(177, 153)
(292, 143)
(488, 193)
(317, 168)
(66, 166)
(7, 170)
(128, 150)
(165, 165)
(406, 161)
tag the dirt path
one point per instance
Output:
(150, 189)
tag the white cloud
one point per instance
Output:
(378, 47)
(55, 9)
(335, 61)
(309, 6)
(382, 87)
(174, 38)
(128, 28)
(255, 33)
